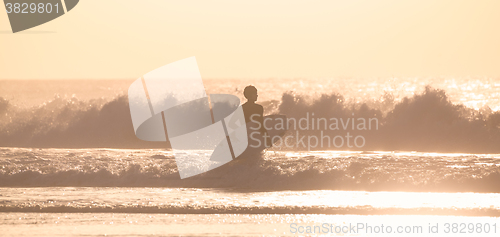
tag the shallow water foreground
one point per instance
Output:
(109, 224)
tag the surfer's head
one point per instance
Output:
(250, 93)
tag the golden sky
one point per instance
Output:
(259, 39)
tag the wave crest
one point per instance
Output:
(425, 122)
(428, 121)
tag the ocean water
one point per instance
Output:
(70, 164)
(125, 192)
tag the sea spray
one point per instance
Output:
(427, 121)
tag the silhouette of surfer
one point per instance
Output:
(254, 114)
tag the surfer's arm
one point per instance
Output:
(263, 130)
(261, 120)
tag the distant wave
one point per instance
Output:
(424, 122)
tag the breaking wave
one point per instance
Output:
(70, 123)
(427, 121)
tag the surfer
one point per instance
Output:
(254, 114)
